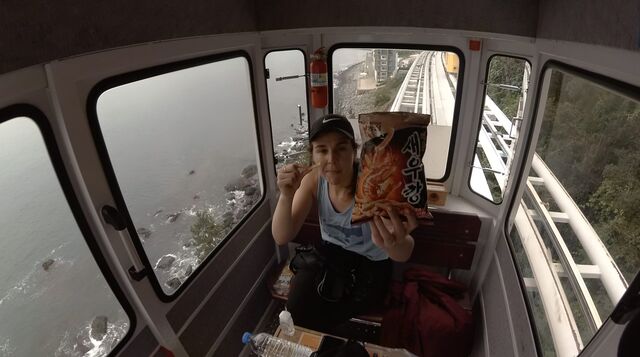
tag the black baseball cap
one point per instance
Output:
(331, 122)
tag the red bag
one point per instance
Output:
(424, 317)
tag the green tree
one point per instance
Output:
(588, 141)
(507, 71)
(207, 234)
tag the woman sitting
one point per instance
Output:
(355, 260)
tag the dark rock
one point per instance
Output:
(250, 191)
(196, 197)
(241, 213)
(298, 146)
(189, 243)
(249, 171)
(237, 184)
(173, 283)
(192, 172)
(99, 327)
(251, 200)
(157, 213)
(166, 261)
(172, 217)
(227, 218)
(230, 196)
(83, 345)
(47, 264)
(143, 232)
(188, 270)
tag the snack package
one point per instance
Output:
(390, 171)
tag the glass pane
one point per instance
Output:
(54, 301)
(507, 83)
(375, 79)
(287, 87)
(581, 209)
(184, 150)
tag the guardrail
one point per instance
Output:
(495, 142)
(536, 225)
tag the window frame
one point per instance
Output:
(607, 83)
(403, 46)
(479, 127)
(40, 119)
(306, 84)
(109, 172)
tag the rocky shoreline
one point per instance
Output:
(211, 225)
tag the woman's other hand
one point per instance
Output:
(289, 178)
(294, 203)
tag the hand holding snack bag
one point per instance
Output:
(390, 171)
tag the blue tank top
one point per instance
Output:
(336, 227)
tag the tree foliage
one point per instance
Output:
(588, 141)
(505, 71)
(207, 234)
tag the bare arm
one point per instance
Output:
(293, 204)
(402, 251)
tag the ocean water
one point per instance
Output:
(175, 141)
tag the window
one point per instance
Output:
(54, 299)
(506, 84)
(183, 148)
(411, 80)
(287, 88)
(576, 231)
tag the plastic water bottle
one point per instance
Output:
(266, 345)
(286, 323)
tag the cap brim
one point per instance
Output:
(326, 130)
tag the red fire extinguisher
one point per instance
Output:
(319, 84)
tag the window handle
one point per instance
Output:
(278, 79)
(137, 275)
(112, 217)
(487, 169)
(515, 123)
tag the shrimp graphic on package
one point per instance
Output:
(391, 171)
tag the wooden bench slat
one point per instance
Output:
(448, 242)
(443, 254)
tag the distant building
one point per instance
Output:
(385, 64)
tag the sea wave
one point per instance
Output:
(38, 280)
(6, 350)
(82, 344)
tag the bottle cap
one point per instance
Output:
(246, 337)
(285, 317)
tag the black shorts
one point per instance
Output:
(346, 284)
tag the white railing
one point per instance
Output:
(546, 272)
(612, 279)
